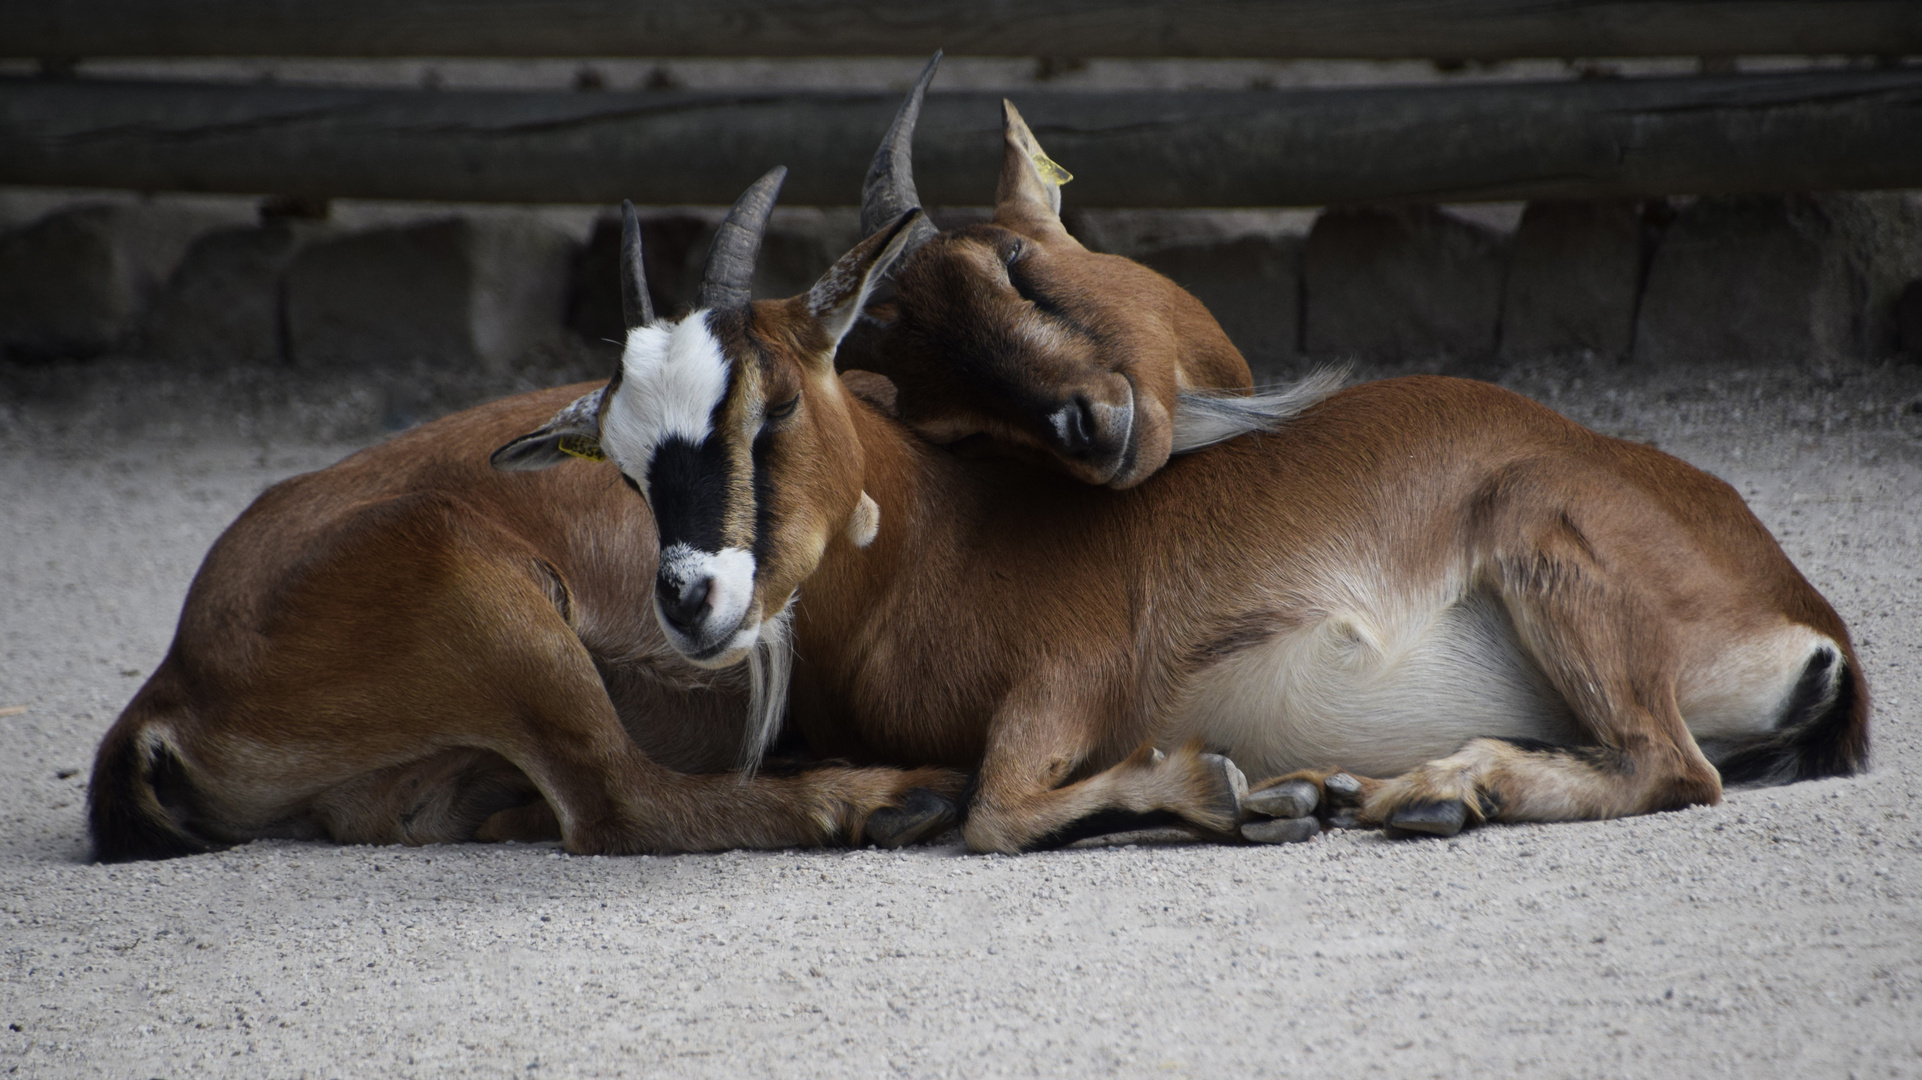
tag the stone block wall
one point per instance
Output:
(1573, 279)
(462, 292)
(1714, 281)
(223, 303)
(1394, 285)
(1252, 285)
(78, 281)
(1780, 280)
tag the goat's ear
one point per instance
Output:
(574, 432)
(1030, 189)
(836, 300)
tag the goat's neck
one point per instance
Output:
(921, 492)
(907, 479)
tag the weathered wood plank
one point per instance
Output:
(1380, 29)
(1578, 139)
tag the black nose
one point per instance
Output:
(1075, 425)
(684, 606)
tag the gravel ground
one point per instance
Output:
(1776, 935)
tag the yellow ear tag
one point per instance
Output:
(1049, 170)
(580, 446)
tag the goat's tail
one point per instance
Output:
(137, 802)
(1823, 731)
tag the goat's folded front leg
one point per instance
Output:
(1189, 789)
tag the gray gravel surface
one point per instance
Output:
(1779, 934)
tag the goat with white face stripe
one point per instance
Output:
(691, 417)
(412, 647)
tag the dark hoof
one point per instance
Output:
(1233, 786)
(922, 815)
(1287, 830)
(1293, 799)
(1343, 819)
(1342, 789)
(1444, 818)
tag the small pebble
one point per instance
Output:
(1281, 830)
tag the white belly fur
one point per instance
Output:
(1381, 683)
(1380, 687)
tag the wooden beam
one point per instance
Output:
(1369, 29)
(1575, 139)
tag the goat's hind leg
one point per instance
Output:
(1524, 780)
(446, 797)
(1611, 656)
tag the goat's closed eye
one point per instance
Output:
(784, 410)
(1024, 287)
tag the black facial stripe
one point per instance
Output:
(689, 488)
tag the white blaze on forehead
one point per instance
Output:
(672, 377)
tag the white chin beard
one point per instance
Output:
(769, 653)
(769, 665)
(744, 638)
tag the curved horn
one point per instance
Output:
(637, 308)
(729, 279)
(889, 191)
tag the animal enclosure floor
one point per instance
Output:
(1779, 934)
